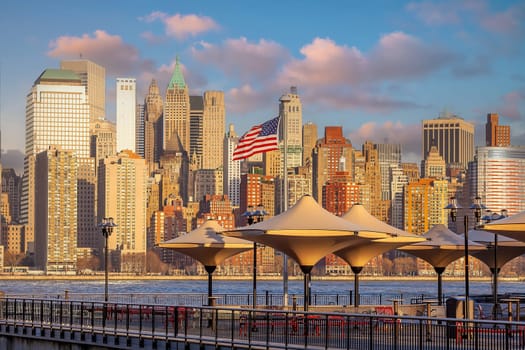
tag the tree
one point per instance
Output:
(13, 259)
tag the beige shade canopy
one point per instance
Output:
(506, 250)
(512, 226)
(442, 247)
(206, 245)
(360, 254)
(306, 232)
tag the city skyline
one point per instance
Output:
(378, 70)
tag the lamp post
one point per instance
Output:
(254, 216)
(492, 216)
(476, 207)
(106, 226)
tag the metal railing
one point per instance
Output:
(266, 298)
(116, 323)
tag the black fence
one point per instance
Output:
(266, 298)
(123, 323)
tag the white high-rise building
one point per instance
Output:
(126, 114)
(497, 176)
(57, 114)
(232, 170)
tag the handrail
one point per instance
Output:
(244, 327)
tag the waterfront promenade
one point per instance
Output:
(157, 326)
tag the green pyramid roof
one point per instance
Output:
(177, 79)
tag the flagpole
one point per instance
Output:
(285, 204)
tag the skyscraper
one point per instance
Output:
(56, 217)
(309, 140)
(232, 170)
(433, 166)
(497, 176)
(93, 77)
(57, 113)
(326, 157)
(213, 128)
(196, 133)
(453, 137)
(291, 112)
(139, 129)
(103, 135)
(126, 114)
(495, 134)
(122, 195)
(389, 155)
(153, 125)
(177, 112)
(425, 201)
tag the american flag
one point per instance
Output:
(259, 139)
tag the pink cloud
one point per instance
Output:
(512, 105)
(105, 49)
(396, 56)
(509, 21)
(246, 99)
(434, 13)
(408, 135)
(182, 26)
(243, 60)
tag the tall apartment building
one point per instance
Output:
(126, 105)
(12, 186)
(398, 181)
(497, 176)
(291, 112)
(326, 156)
(251, 194)
(93, 77)
(57, 114)
(122, 196)
(453, 137)
(496, 135)
(389, 154)
(213, 127)
(425, 201)
(309, 141)
(177, 112)
(340, 192)
(373, 180)
(56, 217)
(153, 125)
(196, 131)
(139, 129)
(232, 170)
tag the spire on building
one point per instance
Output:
(177, 79)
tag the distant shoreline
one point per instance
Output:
(243, 278)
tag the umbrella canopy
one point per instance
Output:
(306, 232)
(512, 226)
(507, 248)
(442, 247)
(359, 254)
(205, 245)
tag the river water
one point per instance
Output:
(413, 287)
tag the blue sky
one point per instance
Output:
(378, 68)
